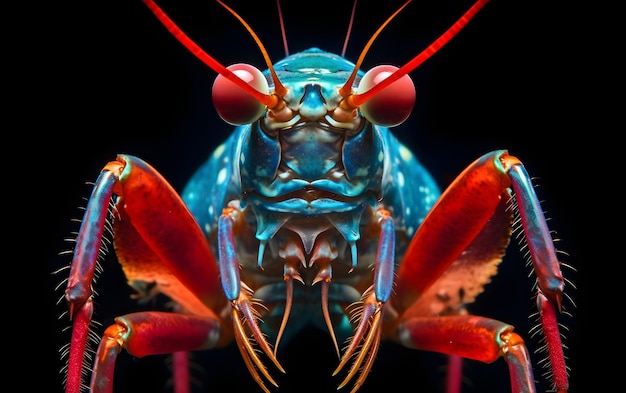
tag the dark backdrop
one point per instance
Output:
(111, 80)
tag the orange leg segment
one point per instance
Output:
(475, 338)
(150, 333)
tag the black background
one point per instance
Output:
(109, 79)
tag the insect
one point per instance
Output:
(312, 213)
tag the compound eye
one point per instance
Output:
(234, 105)
(393, 104)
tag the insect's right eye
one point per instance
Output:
(234, 105)
(392, 105)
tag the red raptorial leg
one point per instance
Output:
(461, 213)
(478, 234)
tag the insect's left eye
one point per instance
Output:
(393, 104)
(235, 105)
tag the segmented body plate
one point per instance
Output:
(316, 179)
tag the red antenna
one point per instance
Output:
(345, 42)
(356, 100)
(184, 39)
(282, 27)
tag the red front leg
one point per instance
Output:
(459, 216)
(458, 246)
(157, 241)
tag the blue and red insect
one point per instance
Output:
(312, 213)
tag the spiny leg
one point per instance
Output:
(467, 231)
(367, 334)
(242, 304)
(174, 253)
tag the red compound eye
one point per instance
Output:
(234, 105)
(393, 104)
